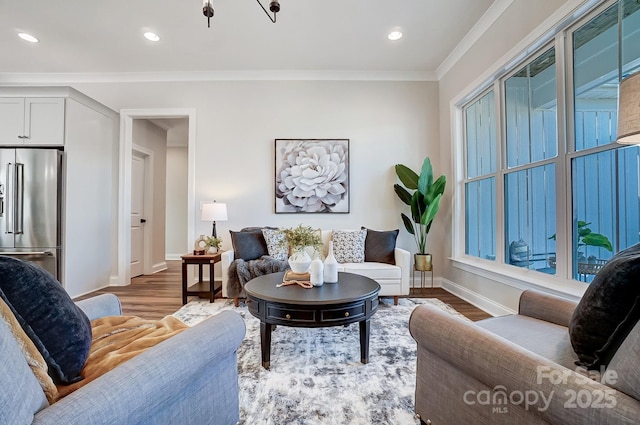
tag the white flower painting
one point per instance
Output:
(312, 176)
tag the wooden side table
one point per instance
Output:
(200, 288)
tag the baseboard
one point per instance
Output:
(429, 280)
(115, 281)
(171, 257)
(474, 298)
(158, 267)
(88, 292)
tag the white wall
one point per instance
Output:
(154, 139)
(523, 20)
(237, 122)
(89, 199)
(177, 242)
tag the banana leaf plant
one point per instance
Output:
(424, 201)
(588, 238)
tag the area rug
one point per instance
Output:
(316, 376)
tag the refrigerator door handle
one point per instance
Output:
(10, 199)
(19, 220)
(47, 253)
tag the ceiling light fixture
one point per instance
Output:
(394, 35)
(27, 37)
(274, 7)
(151, 36)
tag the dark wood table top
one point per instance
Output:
(203, 258)
(350, 287)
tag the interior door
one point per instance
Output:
(137, 215)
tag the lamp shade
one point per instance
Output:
(214, 211)
(629, 110)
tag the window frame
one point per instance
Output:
(561, 37)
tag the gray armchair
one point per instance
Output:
(518, 369)
(189, 378)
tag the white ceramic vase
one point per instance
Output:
(300, 261)
(316, 272)
(330, 266)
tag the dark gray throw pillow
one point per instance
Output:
(608, 310)
(248, 244)
(379, 246)
(57, 327)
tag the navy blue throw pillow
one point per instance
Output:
(379, 247)
(249, 244)
(608, 310)
(57, 327)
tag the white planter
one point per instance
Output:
(300, 262)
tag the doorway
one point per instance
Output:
(126, 267)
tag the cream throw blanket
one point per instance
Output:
(31, 354)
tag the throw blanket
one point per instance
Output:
(240, 272)
(30, 352)
(117, 339)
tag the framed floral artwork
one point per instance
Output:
(311, 176)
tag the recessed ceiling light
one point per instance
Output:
(27, 37)
(151, 36)
(395, 35)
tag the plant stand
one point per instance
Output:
(423, 277)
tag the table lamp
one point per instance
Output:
(629, 110)
(214, 211)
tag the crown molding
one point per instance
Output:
(484, 23)
(8, 78)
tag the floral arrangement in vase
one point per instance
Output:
(298, 239)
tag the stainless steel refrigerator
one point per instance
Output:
(30, 206)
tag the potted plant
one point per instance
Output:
(424, 202)
(586, 237)
(298, 239)
(213, 243)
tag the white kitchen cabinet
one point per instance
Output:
(32, 121)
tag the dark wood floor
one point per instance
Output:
(157, 295)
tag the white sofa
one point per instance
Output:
(393, 279)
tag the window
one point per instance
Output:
(604, 183)
(480, 129)
(531, 137)
(531, 109)
(517, 171)
(530, 218)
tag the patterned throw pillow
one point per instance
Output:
(276, 243)
(348, 246)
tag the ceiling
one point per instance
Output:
(106, 37)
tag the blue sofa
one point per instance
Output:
(191, 378)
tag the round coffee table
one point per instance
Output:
(353, 299)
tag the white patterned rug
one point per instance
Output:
(316, 376)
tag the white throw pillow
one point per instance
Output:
(276, 243)
(348, 246)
